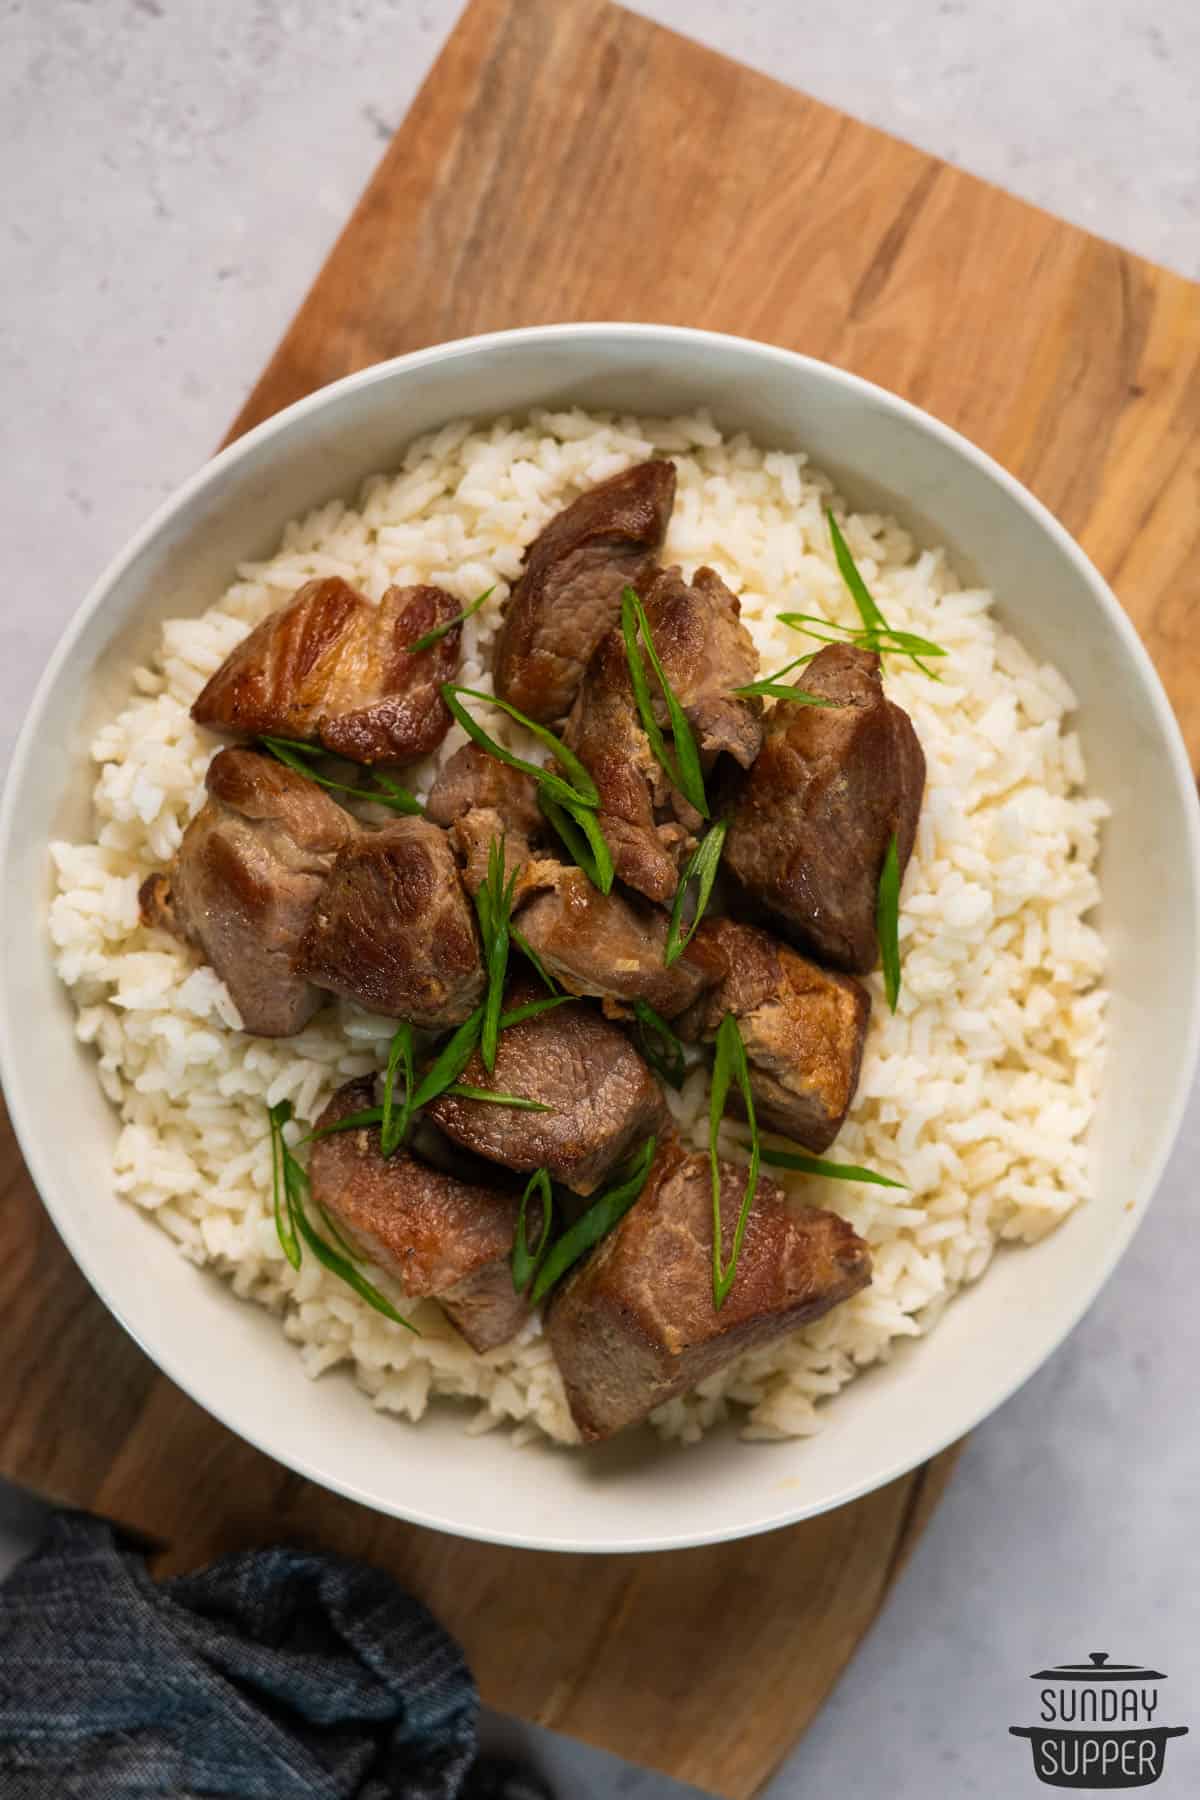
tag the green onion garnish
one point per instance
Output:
(293, 1200)
(493, 905)
(450, 1062)
(386, 792)
(531, 956)
(394, 1124)
(730, 1064)
(887, 922)
(596, 1222)
(580, 831)
(524, 1260)
(520, 1102)
(817, 1165)
(533, 1009)
(874, 623)
(702, 869)
(453, 1058)
(285, 1230)
(430, 638)
(330, 1224)
(887, 639)
(583, 793)
(772, 688)
(371, 1115)
(683, 769)
(659, 1045)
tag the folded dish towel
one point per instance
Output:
(274, 1675)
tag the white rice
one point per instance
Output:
(977, 1093)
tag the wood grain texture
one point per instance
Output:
(567, 160)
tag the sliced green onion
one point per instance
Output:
(580, 831)
(883, 638)
(683, 769)
(331, 1226)
(873, 620)
(461, 1091)
(327, 1256)
(596, 1222)
(868, 612)
(533, 1009)
(770, 689)
(430, 638)
(887, 922)
(531, 956)
(394, 1126)
(524, 1260)
(278, 1117)
(299, 745)
(772, 684)
(583, 793)
(299, 1228)
(702, 869)
(730, 1065)
(387, 793)
(493, 904)
(659, 1045)
(450, 1062)
(390, 793)
(373, 1115)
(817, 1165)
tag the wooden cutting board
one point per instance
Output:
(566, 160)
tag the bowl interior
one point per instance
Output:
(633, 1494)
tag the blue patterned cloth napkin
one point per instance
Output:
(273, 1675)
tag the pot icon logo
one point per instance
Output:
(1098, 1725)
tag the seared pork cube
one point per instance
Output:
(605, 1100)
(436, 1235)
(635, 1324)
(394, 930)
(803, 1028)
(569, 593)
(609, 946)
(648, 836)
(472, 780)
(816, 813)
(480, 800)
(331, 668)
(705, 652)
(245, 879)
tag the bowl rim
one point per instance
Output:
(187, 1374)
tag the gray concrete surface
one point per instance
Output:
(171, 175)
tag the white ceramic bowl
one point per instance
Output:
(633, 1494)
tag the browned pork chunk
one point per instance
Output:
(332, 668)
(394, 930)
(438, 1236)
(705, 652)
(245, 879)
(816, 813)
(605, 1100)
(570, 591)
(635, 1324)
(480, 799)
(646, 835)
(608, 946)
(803, 1028)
